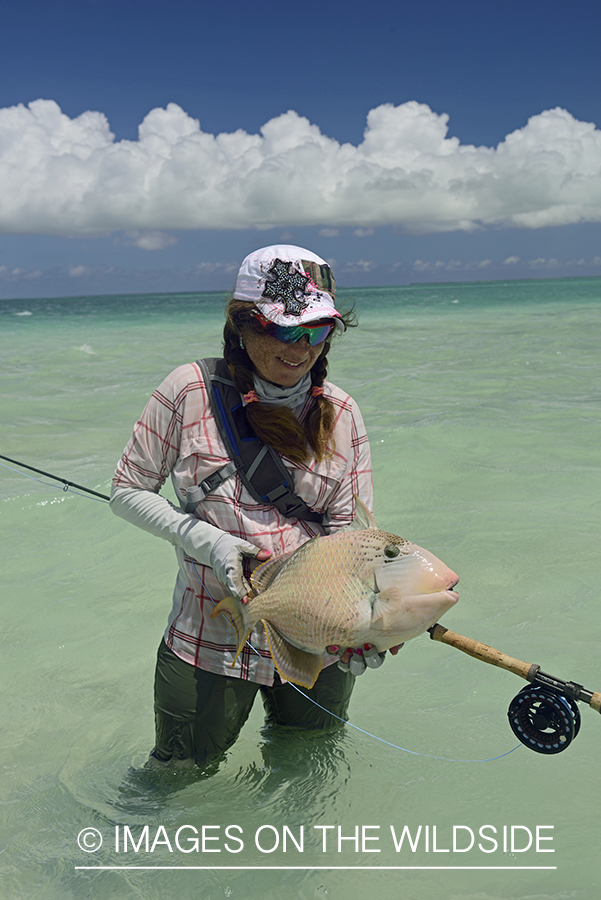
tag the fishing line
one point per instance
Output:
(345, 721)
(102, 498)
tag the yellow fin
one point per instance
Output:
(293, 664)
(232, 608)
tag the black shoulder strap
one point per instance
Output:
(261, 469)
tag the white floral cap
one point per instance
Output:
(288, 285)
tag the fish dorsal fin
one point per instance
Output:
(264, 574)
(363, 518)
(293, 664)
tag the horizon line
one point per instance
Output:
(226, 291)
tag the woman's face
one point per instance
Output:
(280, 363)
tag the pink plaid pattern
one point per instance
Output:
(176, 435)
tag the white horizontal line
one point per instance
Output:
(312, 868)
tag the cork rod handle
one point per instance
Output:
(484, 652)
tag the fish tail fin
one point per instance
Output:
(232, 609)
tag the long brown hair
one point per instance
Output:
(277, 425)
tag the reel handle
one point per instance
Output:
(484, 653)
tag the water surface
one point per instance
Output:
(482, 404)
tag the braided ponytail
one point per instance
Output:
(319, 424)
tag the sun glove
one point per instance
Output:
(203, 542)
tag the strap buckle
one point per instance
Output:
(197, 493)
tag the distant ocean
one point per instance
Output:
(482, 402)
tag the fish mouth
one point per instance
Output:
(452, 583)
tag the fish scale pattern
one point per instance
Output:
(323, 593)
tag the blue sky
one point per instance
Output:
(481, 159)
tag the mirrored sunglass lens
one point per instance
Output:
(288, 335)
(319, 334)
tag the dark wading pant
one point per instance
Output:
(198, 714)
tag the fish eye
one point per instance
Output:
(391, 550)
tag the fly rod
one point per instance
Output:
(67, 484)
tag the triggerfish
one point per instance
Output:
(357, 586)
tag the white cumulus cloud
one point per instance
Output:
(69, 176)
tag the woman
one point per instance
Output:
(277, 336)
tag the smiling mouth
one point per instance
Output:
(291, 364)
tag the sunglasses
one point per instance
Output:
(289, 334)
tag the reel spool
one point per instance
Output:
(543, 719)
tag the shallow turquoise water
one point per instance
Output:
(482, 403)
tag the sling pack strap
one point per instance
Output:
(261, 469)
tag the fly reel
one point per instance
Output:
(543, 719)
(544, 715)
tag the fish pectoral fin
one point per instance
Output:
(401, 618)
(394, 618)
(293, 664)
(231, 608)
(387, 606)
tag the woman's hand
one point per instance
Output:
(356, 660)
(227, 556)
(262, 555)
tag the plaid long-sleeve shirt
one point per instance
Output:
(177, 435)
